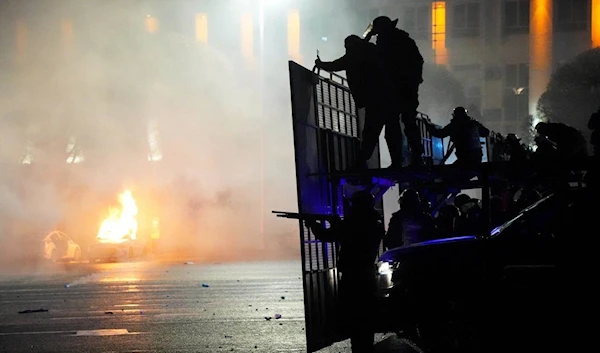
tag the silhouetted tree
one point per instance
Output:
(573, 93)
(439, 93)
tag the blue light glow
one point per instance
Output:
(390, 255)
(446, 240)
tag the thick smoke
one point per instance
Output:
(102, 88)
(87, 75)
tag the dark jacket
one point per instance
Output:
(359, 237)
(408, 228)
(365, 73)
(404, 61)
(569, 141)
(465, 134)
(517, 152)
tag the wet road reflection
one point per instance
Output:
(157, 307)
(145, 306)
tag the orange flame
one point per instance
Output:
(121, 224)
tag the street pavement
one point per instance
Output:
(159, 307)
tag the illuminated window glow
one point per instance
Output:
(595, 23)
(151, 24)
(247, 35)
(540, 50)
(293, 31)
(202, 28)
(438, 32)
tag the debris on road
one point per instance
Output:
(277, 316)
(33, 311)
(268, 318)
(205, 285)
(108, 313)
(282, 297)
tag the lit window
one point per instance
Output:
(293, 32)
(202, 28)
(247, 36)
(151, 24)
(66, 29)
(438, 32)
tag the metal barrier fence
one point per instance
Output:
(327, 133)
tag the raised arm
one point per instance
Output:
(330, 235)
(440, 133)
(340, 64)
(483, 131)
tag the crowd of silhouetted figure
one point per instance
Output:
(384, 79)
(457, 216)
(462, 215)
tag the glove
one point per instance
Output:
(318, 63)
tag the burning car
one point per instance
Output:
(129, 249)
(59, 247)
(117, 237)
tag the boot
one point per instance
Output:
(396, 152)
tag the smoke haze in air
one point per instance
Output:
(88, 76)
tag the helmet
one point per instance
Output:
(460, 112)
(409, 198)
(461, 200)
(362, 198)
(352, 41)
(541, 127)
(512, 137)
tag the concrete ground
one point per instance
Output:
(159, 307)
